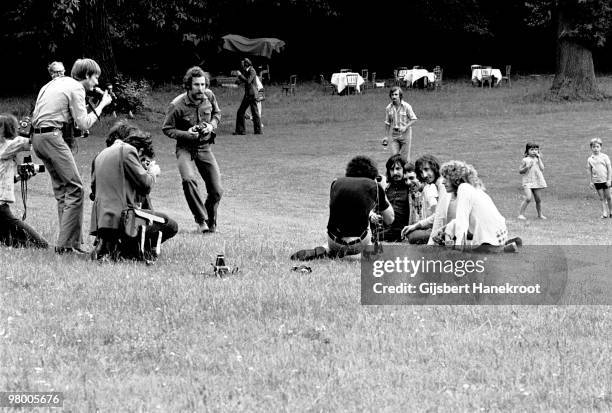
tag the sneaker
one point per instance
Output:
(517, 240)
(203, 227)
(522, 217)
(542, 217)
(512, 247)
(71, 250)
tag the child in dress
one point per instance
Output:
(533, 179)
(601, 176)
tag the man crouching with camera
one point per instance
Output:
(352, 202)
(13, 231)
(121, 177)
(61, 105)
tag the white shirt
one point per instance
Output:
(8, 167)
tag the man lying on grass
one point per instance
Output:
(353, 200)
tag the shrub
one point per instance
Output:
(131, 94)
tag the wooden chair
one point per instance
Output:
(264, 73)
(351, 83)
(486, 76)
(437, 83)
(327, 85)
(506, 77)
(290, 87)
(373, 80)
(398, 75)
(365, 76)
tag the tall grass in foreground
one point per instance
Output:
(127, 337)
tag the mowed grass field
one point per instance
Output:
(167, 337)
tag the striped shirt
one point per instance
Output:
(398, 116)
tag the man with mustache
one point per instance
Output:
(192, 119)
(398, 193)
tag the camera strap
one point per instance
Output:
(24, 198)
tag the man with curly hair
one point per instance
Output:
(468, 217)
(353, 200)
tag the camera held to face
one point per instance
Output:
(25, 127)
(28, 168)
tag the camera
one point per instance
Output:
(201, 127)
(25, 127)
(28, 168)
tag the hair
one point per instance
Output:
(433, 162)
(459, 172)
(8, 125)
(141, 140)
(83, 68)
(195, 71)
(529, 146)
(409, 167)
(55, 67)
(594, 141)
(395, 89)
(120, 130)
(247, 62)
(361, 167)
(392, 161)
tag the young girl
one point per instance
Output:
(533, 179)
(601, 176)
(13, 231)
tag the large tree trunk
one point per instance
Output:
(96, 38)
(575, 73)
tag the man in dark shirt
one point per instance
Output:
(398, 193)
(247, 75)
(192, 119)
(351, 205)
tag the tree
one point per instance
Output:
(581, 26)
(96, 37)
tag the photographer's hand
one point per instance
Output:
(193, 132)
(106, 100)
(154, 169)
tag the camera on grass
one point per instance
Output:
(29, 168)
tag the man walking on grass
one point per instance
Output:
(192, 119)
(248, 76)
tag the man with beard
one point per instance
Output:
(398, 194)
(192, 119)
(399, 118)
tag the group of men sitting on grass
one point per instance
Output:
(420, 203)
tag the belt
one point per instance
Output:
(45, 130)
(339, 240)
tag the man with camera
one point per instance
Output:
(192, 119)
(248, 76)
(353, 202)
(60, 107)
(13, 231)
(122, 176)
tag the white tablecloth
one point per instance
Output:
(412, 75)
(477, 75)
(339, 80)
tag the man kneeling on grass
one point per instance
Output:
(353, 200)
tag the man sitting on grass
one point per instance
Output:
(352, 203)
(398, 193)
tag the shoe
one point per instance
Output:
(309, 254)
(522, 218)
(71, 250)
(542, 217)
(203, 227)
(517, 240)
(236, 133)
(512, 247)
(604, 217)
(258, 133)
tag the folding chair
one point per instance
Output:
(351, 83)
(264, 73)
(486, 76)
(506, 77)
(143, 220)
(437, 83)
(365, 76)
(327, 85)
(290, 87)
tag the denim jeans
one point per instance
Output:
(204, 162)
(248, 102)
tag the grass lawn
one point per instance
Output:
(127, 337)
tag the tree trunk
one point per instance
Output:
(96, 40)
(575, 73)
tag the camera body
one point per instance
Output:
(29, 168)
(201, 128)
(25, 127)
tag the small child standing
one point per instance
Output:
(533, 179)
(600, 172)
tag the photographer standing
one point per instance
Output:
(248, 76)
(59, 107)
(13, 231)
(192, 119)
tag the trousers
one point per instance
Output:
(16, 233)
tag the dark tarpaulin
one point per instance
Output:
(263, 46)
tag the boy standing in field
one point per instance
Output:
(601, 176)
(399, 118)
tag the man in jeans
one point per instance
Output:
(399, 118)
(192, 119)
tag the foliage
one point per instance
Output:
(131, 94)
